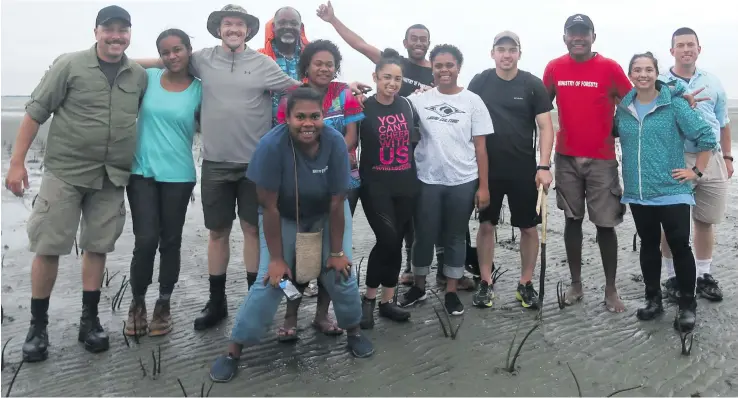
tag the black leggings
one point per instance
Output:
(387, 215)
(353, 198)
(158, 211)
(675, 220)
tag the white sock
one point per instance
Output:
(703, 266)
(668, 263)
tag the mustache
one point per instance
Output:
(121, 42)
(283, 31)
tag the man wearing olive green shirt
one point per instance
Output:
(94, 96)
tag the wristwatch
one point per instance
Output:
(543, 168)
(339, 254)
(728, 157)
(697, 171)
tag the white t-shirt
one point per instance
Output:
(445, 154)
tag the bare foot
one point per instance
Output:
(327, 326)
(574, 294)
(613, 302)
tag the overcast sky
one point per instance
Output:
(35, 32)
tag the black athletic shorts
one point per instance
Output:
(521, 198)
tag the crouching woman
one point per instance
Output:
(301, 172)
(653, 126)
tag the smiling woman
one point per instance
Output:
(301, 173)
(162, 179)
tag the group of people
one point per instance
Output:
(280, 136)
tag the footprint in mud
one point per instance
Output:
(7, 289)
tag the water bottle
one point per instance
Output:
(290, 291)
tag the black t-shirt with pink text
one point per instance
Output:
(387, 161)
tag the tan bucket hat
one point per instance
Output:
(232, 10)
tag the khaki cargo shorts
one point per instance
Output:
(53, 223)
(594, 182)
(711, 190)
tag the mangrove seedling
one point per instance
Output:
(125, 338)
(624, 390)
(510, 365)
(118, 298)
(202, 388)
(3, 353)
(686, 349)
(560, 295)
(579, 389)
(12, 381)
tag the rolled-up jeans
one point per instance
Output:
(256, 314)
(442, 216)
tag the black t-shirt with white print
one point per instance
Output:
(414, 77)
(513, 106)
(387, 160)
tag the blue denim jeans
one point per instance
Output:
(442, 216)
(256, 314)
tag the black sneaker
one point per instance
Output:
(707, 287)
(36, 346)
(484, 295)
(527, 295)
(453, 304)
(412, 296)
(686, 316)
(392, 311)
(671, 289)
(212, 314)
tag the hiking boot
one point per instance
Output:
(412, 296)
(161, 319)
(35, 348)
(653, 308)
(367, 313)
(527, 295)
(92, 333)
(672, 289)
(707, 287)
(137, 323)
(214, 312)
(484, 295)
(686, 316)
(392, 311)
(453, 304)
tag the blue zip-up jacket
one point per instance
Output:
(655, 147)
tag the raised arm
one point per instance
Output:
(326, 13)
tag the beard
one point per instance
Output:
(287, 36)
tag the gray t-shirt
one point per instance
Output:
(236, 100)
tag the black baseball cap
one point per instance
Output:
(579, 19)
(110, 13)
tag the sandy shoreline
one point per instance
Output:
(607, 352)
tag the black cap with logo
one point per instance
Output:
(110, 13)
(579, 19)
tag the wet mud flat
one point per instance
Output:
(607, 352)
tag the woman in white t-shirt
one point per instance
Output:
(451, 160)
